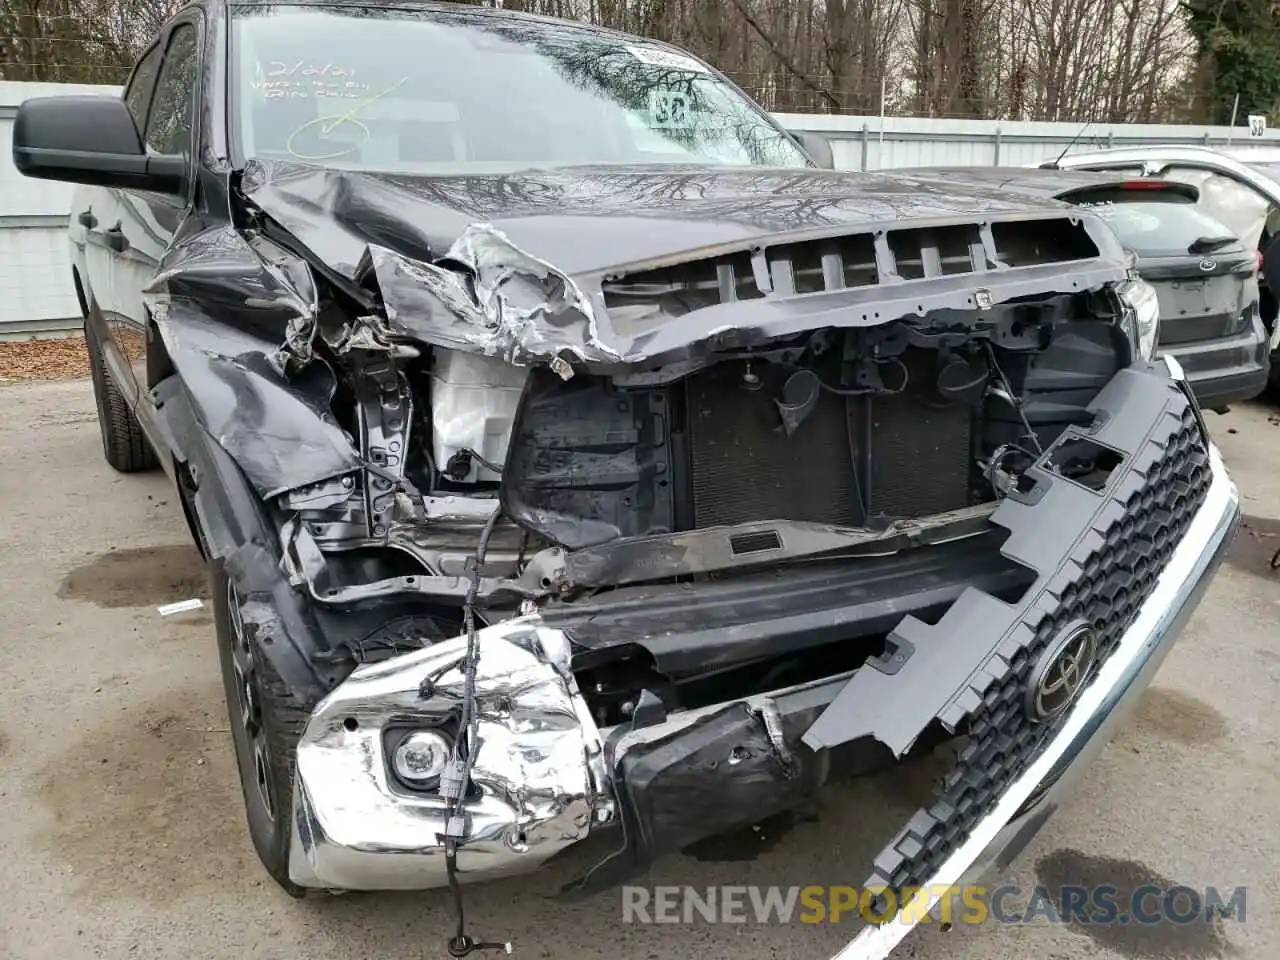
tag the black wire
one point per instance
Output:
(864, 391)
(455, 888)
(470, 717)
(487, 464)
(996, 463)
(1013, 400)
(468, 730)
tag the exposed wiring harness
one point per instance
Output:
(457, 773)
(487, 464)
(1006, 393)
(460, 463)
(1003, 481)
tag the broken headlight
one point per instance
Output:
(1141, 319)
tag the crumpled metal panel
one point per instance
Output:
(509, 303)
(512, 265)
(537, 776)
(224, 308)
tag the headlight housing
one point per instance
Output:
(1141, 320)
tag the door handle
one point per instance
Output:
(116, 239)
(87, 219)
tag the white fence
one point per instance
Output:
(876, 143)
(36, 293)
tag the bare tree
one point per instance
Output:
(1113, 60)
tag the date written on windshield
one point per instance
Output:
(303, 80)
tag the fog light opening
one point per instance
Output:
(420, 758)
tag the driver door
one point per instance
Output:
(146, 222)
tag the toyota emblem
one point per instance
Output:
(1208, 264)
(1063, 670)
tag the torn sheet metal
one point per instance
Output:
(224, 309)
(537, 770)
(280, 433)
(507, 302)
(515, 264)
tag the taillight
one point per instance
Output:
(1259, 253)
(1143, 185)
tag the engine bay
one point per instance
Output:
(833, 454)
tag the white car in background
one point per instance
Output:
(1241, 191)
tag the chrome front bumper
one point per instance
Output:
(538, 783)
(541, 780)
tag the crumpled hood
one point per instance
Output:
(516, 265)
(587, 219)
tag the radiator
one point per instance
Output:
(744, 466)
(919, 451)
(851, 459)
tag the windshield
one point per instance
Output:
(1165, 229)
(441, 91)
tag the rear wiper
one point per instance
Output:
(1206, 244)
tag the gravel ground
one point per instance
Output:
(52, 358)
(124, 836)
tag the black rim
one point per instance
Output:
(249, 702)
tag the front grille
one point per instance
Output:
(845, 262)
(1111, 585)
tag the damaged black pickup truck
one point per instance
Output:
(573, 454)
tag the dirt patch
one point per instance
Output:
(1165, 714)
(63, 358)
(148, 807)
(1201, 938)
(1255, 544)
(139, 577)
(4, 744)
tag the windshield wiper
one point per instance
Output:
(1207, 244)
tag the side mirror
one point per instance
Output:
(89, 140)
(816, 146)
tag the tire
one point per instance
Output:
(123, 443)
(265, 728)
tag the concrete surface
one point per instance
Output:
(122, 831)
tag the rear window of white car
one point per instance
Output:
(1160, 229)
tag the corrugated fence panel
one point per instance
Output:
(875, 143)
(36, 288)
(35, 277)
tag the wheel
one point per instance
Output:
(123, 443)
(265, 729)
